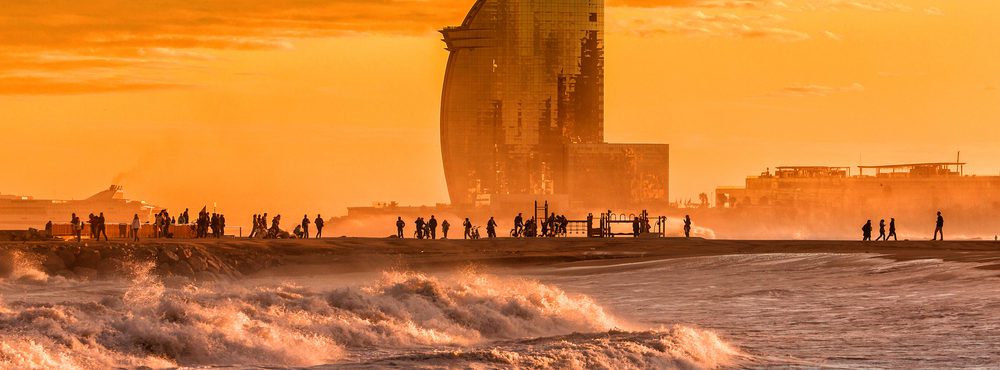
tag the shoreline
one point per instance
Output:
(208, 259)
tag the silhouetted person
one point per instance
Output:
(881, 231)
(419, 224)
(939, 227)
(432, 227)
(444, 228)
(491, 228)
(892, 230)
(687, 226)
(77, 226)
(253, 229)
(866, 231)
(518, 225)
(319, 226)
(92, 223)
(135, 227)
(222, 225)
(468, 228)
(399, 227)
(305, 226)
(275, 226)
(102, 228)
(635, 227)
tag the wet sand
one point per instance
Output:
(236, 258)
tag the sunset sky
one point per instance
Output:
(299, 106)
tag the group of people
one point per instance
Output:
(98, 226)
(867, 228)
(424, 229)
(301, 231)
(551, 226)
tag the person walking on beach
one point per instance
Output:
(881, 231)
(892, 230)
(687, 226)
(305, 226)
(319, 225)
(491, 228)
(939, 227)
(135, 227)
(432, 227)
(468, 228)
(399, 227)
(77, 227)
(518, 225)
(866, 231)
(444, 228)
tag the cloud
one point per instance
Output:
(131, 42)
(62, 86)
(818, 90)
(700, 23)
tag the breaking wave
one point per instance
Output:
(468, 317)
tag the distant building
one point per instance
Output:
(522, 112)
(919, 187)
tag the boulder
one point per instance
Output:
(84, 273)
(89, 258)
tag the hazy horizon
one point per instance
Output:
(294, 107)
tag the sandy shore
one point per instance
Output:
(236, 258)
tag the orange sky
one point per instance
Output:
(308, 105)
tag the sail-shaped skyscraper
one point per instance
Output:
(522, 112)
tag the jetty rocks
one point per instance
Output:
(104, 260)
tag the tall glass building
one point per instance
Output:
(524, 86)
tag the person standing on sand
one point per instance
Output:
(444, 228)
(135, 227)
(939, 227)
(399, 227)
(866, 231)
(305, 226)
(518, 225)
(687, 226)
(77, 227)
(319, 226)
(635, 227)
(432, 227)
(892, 230)
(468, 228)
(222, 225)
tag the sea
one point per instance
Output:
(732, 311)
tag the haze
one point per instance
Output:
(295, 106)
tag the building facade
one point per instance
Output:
(524, 85)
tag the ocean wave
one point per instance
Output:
(677, 347)
(225, 324)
